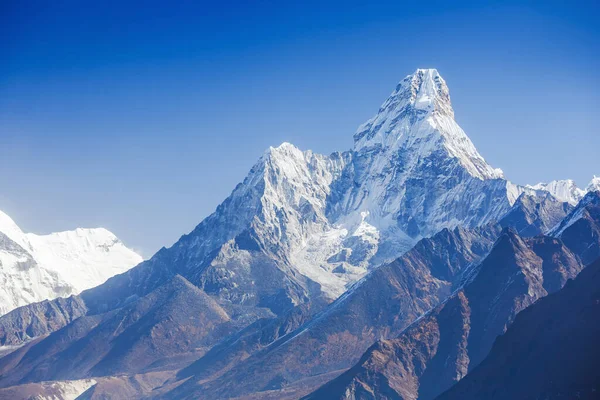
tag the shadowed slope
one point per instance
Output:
(551, 350)
(442, 346)
(176, 320)
(383, 304)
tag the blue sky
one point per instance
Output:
(142, 117)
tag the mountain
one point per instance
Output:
(324, 221)
(414, 171)
(594, 184)
(38, 267)
(535, 214)
(550, 351)
(307, 263)
(175, 321)
(439, 348)
(563, 190)
(580, 229)
(303, 227)
(382, 304)
(566, 190)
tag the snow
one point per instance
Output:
(514, 191)
(566, 190)
(594, 184)
(330, 218)
(563, 190)
(39, 267)
(84, 257)
(10, 229)
(64, 390)
(412, 172)
(426, 92)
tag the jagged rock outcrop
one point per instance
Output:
(535, 214)
(580, 230)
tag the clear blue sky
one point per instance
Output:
(143, 117)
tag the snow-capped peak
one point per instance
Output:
(564, 190)
(38, 267)
(423, 90)
(567, 190)
(594, 184)
(11, 230)
(417, 119)
(429, 91)
(330, 219)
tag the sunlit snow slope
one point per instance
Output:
(38, 267)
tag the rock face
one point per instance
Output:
(580, 230)
(387, 370)
(39, 319)
(550, 351)
(35, 268)
(440, 348)
(535, 214)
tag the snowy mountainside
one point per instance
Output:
(563, 190)
(412, 172)
(303, 225)
(418, 118)
(38, 267)
(566, 190)
(594, 185)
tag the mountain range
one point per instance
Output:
(383, 272)
(39, 267)
(446, 343)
